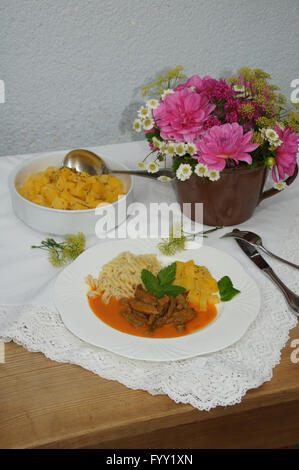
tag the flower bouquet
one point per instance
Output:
(218, 131)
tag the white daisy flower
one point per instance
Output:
(184, 171)
(167, 92)
(280, 185)
(201, 170)
(191, 148)
(271, 135)
(152, 104)
(263, 133)
(156, 142)
(170, 149)
(239, 88)
(137, 125)
(180, 149)
(148, 124)
(164, 179)
(152, 167)
(213, 175)
(163, 147)
(141, 165)
(275, 143)
(143, 112)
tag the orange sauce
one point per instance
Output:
(110, 314)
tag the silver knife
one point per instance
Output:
(291, 298)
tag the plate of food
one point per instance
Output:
(124, 296)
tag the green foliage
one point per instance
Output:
(167, 274)
(162, 284)
(293, 120)
(150, 135)
(175, 244)
(172, 245)
(266, 122)
(162, 82)
(259, 73)
(150, 281)
(185, 159)
(60, 253)
(226, 289)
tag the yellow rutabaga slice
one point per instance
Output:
(197, 280)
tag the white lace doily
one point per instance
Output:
(205, 382)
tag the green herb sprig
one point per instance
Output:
(226, 289)
(169, 80)
(174, 244)
(61, 253)
(161, 284)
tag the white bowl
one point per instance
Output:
(60, 222)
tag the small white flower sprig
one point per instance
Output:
(280, 185)
(145, 119)
(185, 170)
(272, 137)
(190, 166)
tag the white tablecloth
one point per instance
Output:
(27, 279)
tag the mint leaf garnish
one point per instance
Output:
(162, 284)
(226, 289)
(171, 290)
(150, 281)
(167, 274)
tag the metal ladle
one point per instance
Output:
(84, 160)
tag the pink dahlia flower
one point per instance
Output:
(286, 156)
(205, 84)
(225, 142)
(180, 116)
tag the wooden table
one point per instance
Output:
(44, 404)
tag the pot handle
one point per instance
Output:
(273, 191)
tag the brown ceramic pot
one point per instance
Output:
(230, 200)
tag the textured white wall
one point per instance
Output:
(73, 68)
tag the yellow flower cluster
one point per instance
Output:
(165, 81)
(264, 122)
(293, 121)
(247, 110)
(257, 138)
(260, 99)
(261, 93)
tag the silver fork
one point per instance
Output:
(255, 240)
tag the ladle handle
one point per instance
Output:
(143, 173)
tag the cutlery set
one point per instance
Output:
(250, 243)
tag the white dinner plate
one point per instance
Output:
(232, 321)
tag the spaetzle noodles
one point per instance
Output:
(120, 277)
